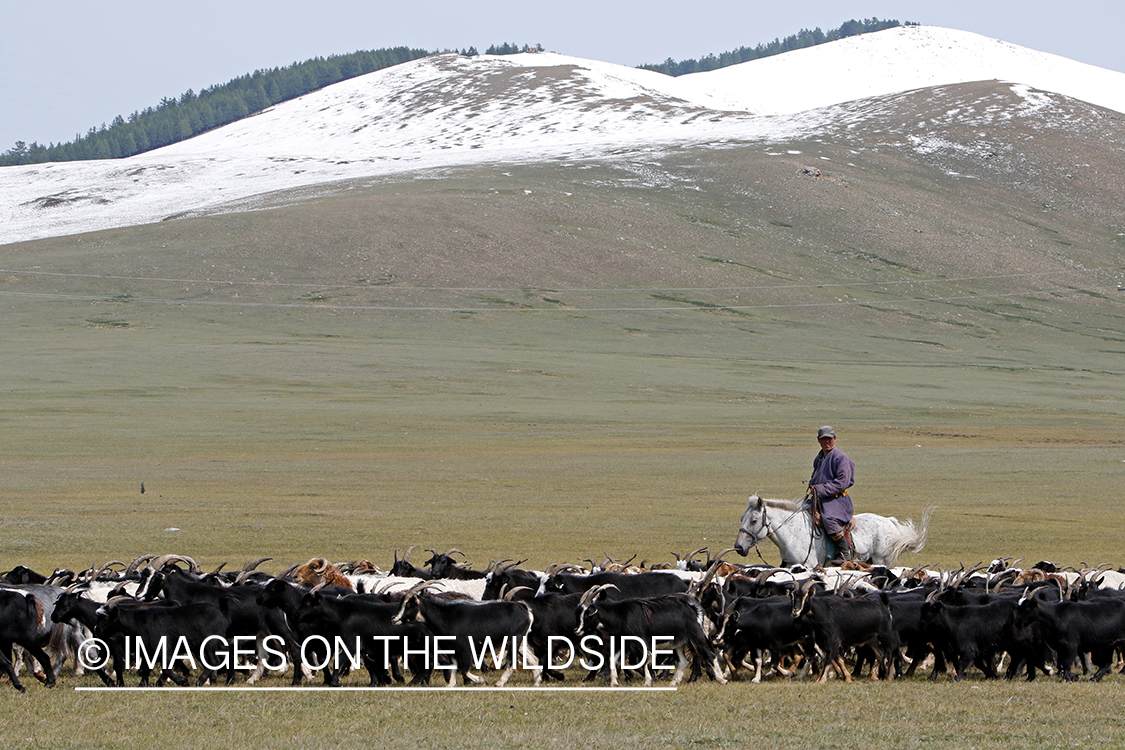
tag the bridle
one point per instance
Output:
(770, 529)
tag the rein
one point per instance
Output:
(770, 529)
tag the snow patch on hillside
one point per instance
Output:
(449, 110)
(900, 59)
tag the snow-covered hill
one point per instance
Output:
(900, 59)
(450, 110)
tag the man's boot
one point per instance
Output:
(843, 549)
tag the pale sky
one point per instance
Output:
(68, 65)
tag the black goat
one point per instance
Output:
(1073, 628)
(757, 626)
(840, 622)
(21, 617)
(162, 629)
(672, 622)
(471, 626)
(368, 622)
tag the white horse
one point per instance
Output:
(788, 524)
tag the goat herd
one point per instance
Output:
(165, 615)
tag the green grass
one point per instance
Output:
(974, 714)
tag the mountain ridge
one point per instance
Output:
(449, 110)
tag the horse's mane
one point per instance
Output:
(777, 502)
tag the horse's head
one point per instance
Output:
(752, 527)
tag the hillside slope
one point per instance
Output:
(447, 111)
(1004, 201)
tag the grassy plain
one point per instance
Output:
(564, 361)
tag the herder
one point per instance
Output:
(833, 473)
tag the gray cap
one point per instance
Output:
(824, 432)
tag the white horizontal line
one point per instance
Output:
(467, 688)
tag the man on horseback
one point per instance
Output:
(827, 497)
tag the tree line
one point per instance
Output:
(176, 119)
(803, 38)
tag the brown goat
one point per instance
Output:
(319, 570)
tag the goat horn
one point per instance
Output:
(133, 566)
(501, 565)
(963, 574)
(915, 571)
(711, 570)
(459, 552)
(105, 567)
(508, 596)
(766, 574)
(384, 587)
(406, 555)
(163, 560)
(1069, 588)
(420, 587)
(253, 565)
(215, 572)
(591, 594)
(61, 573)
(156, 563)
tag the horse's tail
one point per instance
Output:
(909, 538)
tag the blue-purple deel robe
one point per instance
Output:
(832, 474)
